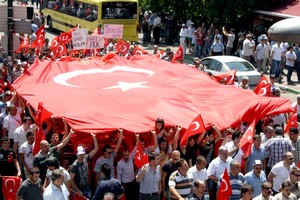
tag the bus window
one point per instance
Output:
(119, 10)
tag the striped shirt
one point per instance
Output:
(183, 184)
(275, 148)
(296, 145)
(236, 183)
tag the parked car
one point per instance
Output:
(221, 64)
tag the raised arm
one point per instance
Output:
(95, 150)
(176, 137)
(155, 140)
(119, 141)
(31, 112)
(65, 141)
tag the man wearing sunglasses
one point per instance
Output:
(280, 172)
(294, 179)
(266, 192)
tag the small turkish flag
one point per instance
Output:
(263, 88)
(178, 55)
(225, 190)
(140, 158)
(160, 54)
(138, 51)
(197, 126)
(227, 77)
(247, 139)
(10, 186)
(24, 45)
(40, 38)
(41, 115)
(122, 47)
(293, 121)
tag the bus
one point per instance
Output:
(65, 14)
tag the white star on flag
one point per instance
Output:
(124, 86)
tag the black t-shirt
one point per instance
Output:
(169, 168)
(40, 161)
(7, 167)
(191, 152)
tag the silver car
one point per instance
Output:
(221, 64)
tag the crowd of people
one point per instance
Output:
(173, 171)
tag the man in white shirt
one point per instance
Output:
(276, 59)
(198, 171)
(26, 156)
(56, 189)
(183, 37)
(290, 63)
(216, 168)
(230, 39)
(20, 132)
(247, 48)
(191, 30)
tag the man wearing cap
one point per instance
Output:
(183, 34)
(80, 169)
(256, 177)
(231, 38)
(248, 47)
(191, 30)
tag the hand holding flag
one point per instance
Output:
(196, 127)
(225, 190)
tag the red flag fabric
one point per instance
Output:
(67, 36)
(41, 115)
(122, 47)
(140, 158)
(196, 127)
(54, 44)
(160, 54)
(225, 190)
(10, 186)
(293, 121)
(106, 42)
(137, 90)
(227, 77)
(40, 38)
(178, 56)
(247, 139)
(263, 88)
(138, 51)
(60, 50)
(77, 197)
(24, 45)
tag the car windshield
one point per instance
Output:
(240, 66)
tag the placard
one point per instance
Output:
(95, 42)
(113, 31)
(79, 37)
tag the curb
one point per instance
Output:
(284, 88)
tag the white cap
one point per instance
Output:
(183, 24)
(257, 162)
(80, 150)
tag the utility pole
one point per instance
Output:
(10, 28)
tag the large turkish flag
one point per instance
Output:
(101, 95)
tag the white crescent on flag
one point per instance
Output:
(123, 48)
(63, 78)
(138, 154)
(224, 181)
(12, 180)
(139, 52)
(262, 92)
(197, 126)
(178, 53)
(60, 49)
(55, 43)
(264, 82)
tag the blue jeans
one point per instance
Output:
(198, 50)
(275, 68)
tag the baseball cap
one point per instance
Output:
(257, 162)
(183, 24)
(80, 150)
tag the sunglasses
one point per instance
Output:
(291, 159)
(267, 188)
(110, 152)
(297, 175)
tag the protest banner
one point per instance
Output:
(95, 42)
(79, 37)
(113, 31)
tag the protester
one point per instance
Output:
(149, 177)
(108, 184)
(31, 188)
(80, 169)
(285, 194)
(56, 189)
